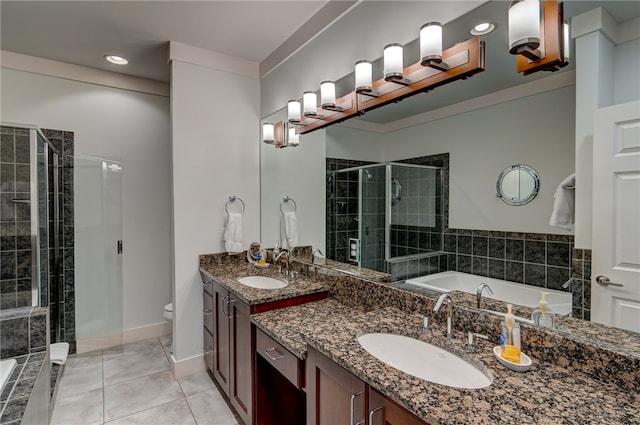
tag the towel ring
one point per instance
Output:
(232, 198)
(286, 200)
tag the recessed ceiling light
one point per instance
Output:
(118, 60)
(483, 28)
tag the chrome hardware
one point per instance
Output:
(207, 312)
(449, 300)
(425, 322)
(268, 353)
(603, 280)
(293, 275)
(208, 348)
(373, 412)
(229, 301)
(481, 288)
(353, 397)
(567, 283)
(470, 344)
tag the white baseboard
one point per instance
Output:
(187, 367)
(140, 333)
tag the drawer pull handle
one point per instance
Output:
(207, 312)
(208, 348)
(373, 412)
(352, 407)
(268, 353)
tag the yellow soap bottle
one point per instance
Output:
(510, 338)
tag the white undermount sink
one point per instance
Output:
(424, 361)
(262, 282)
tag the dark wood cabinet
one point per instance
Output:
(383, 411)
(230, 359)
(335, 396)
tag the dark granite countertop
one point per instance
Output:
(227, 273)
(547, 394)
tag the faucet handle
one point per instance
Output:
(470, 341)
(425, 322)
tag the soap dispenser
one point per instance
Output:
(510, 338)
(543, 316)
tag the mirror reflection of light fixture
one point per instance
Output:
(393, 62)
(431, 46)
(294, 138)
(364, 79)
(309, 103)
(327, 94)
(293, 111)
(524, 29)
(267, 133)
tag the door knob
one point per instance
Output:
(603, 280)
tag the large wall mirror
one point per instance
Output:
(480, 124)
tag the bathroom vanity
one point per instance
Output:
(307, 366)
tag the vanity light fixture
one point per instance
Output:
(524, 29)
(309, 103)
(327, 94)
(364, 79)
(482, 28)
(116, 60)
(267, 133)
(538, 36)
(293, 111)
(431, 46)
(393, 62)
(294, 138)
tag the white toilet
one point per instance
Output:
(168, 315)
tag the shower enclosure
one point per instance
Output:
(383, 211)
(30, 222)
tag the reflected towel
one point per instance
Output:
(289, 230)
(59, 352)
(233, 233)
(563, 214)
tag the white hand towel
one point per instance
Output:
(233, 233)
(289, 232)
(563, 214)
(58, 352)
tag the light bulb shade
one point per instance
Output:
(293, 111)
(327, 94)
(267, 133)
(364, 79)
(524, 25)
(393, 61)
(309, 103)
(294, 138)
(431, 43)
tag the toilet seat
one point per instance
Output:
(168, 311)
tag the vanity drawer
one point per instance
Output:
(280, 358)
(207, 311)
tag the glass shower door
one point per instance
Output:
(372, 217)
(98, 249)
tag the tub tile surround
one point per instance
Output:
(19, 389)
(23, 331)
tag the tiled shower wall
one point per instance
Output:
(64, 143)
(15, 243)
(15, 219)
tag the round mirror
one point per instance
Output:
(518, 184)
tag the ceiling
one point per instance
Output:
(82, 32)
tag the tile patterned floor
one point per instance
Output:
(133, 385)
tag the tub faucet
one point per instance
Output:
(567, 283)
(481, 288)
(449, 300)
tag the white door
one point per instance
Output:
(615, 274)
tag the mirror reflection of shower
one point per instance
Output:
(383, 211)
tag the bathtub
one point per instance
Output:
(6, 369)
(511, 292)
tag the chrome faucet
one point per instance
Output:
(277, 261)
(313, 254)
(567, 283)
(449, 300)
(481, 288)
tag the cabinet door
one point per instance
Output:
(208, 349)
(221, 336)
(334, 395)
(383, 411)
(241, 363)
